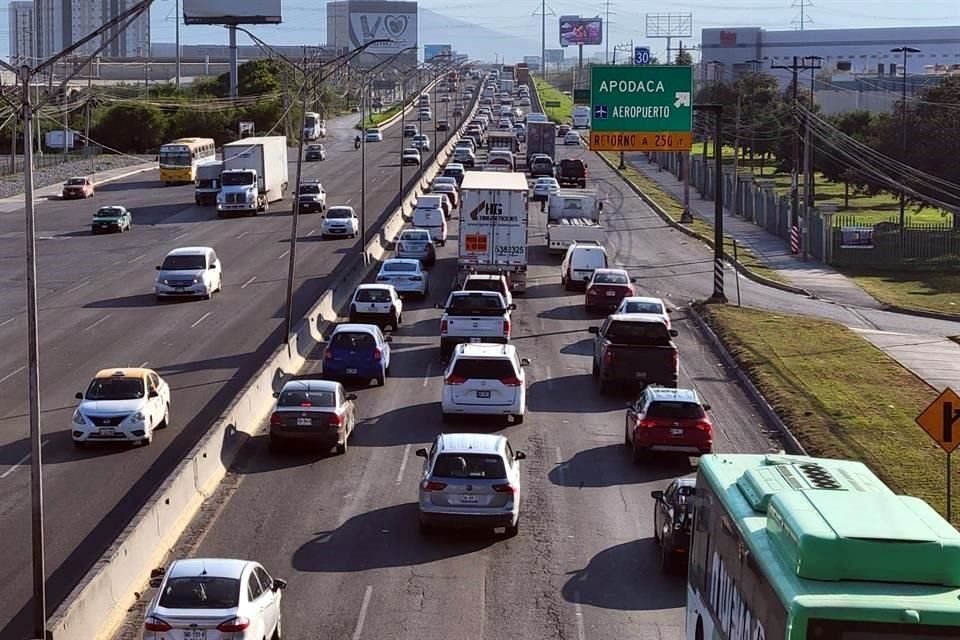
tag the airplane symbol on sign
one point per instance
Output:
(600, 112)
(682, 99)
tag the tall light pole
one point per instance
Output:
(903, 126)
(755, 63)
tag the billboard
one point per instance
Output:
(431, 51)
(575, 30)
(396, 21)
(231, 12)
(553, 56)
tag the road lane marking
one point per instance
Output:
(347, 201)
(103, 319)
(181, 235)
(82, 284)
(426, 377)
(578, 613)
(312, 231)
(20, 462)
(549, 379)
(202, 318)
(11, 374)
(358, 631)
(560, 465)
(244, 285)
(403, 463)
(7, 321)
(282, 255)
(132, 260)
(242, 234)
(143, 364)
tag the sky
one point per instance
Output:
(307, 18)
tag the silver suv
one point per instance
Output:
(470, 480)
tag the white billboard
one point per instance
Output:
(399, 27)
(231, 12)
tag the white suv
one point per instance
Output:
(485, 379)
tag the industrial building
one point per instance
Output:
(20, 30)
(61, 23)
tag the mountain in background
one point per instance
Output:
(476, 41)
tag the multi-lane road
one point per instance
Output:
(343, 530)
(97, 311)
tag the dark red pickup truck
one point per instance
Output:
(634, 350)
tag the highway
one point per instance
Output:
(97, 310)
(343, 530)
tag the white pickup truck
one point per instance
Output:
(573, 215)
(473, 316)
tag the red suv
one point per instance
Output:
(668, 420)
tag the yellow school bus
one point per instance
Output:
(179, 159)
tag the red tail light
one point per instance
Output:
(306, 404)
(454, 379)
(506, 327)
(443, 326)
(608, 356)
(275, 420)
(430, 485)
(377, 354)
(233, 625)
(153, 623)
(327, 354)
(512, 381)
(647, 424)
(335, 420)
(504, 488)
(705, 426)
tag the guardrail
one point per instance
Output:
(96, 606)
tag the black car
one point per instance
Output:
(563, 130)
(410, 130)
(443, 125)
(316, 152)
(672, 519)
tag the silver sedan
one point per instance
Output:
(417, 244)
(406, 275)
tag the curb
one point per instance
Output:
(18, 198)
(790, 441)
(739, 266)
(922, 313)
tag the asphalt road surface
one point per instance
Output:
(343, 530)
(97, 310)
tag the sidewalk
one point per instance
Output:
(935, 361)
(15, 203)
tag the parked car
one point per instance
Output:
(316, 152)
(378, 304)
(470, 479)
(642, 304)
(78, 187)
(410, 156)
(484, 379)
(312, 411)
(668, 420)
(579, 263)
(311, 196)
(121, 405)
(673, 523)
(543, 188)
(607, 287)
(114, 218)
(357, 351)
(416, 244)
(340, 221)
(634, 349)
(406, 275)
(189, 272)
(213, 599)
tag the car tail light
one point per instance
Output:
(512, 381)
(430, 485)
(153, 623)
(608, 356)
(327, 354)
(676, 360)
(443, 326)
(647, 424)
(454, 379)
(504, 488)
(234, 625)
(506, 327)
(377, 354)
(275, 419)
(704, 426)
(335, 420)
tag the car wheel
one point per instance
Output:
(626, 433)
(381, 379)
(518, 418)
(342, 447)
(424, 526)
(147, 440)
(513, 530)
(166, 419)
(668, 565)
(639, 455)
(278, 632)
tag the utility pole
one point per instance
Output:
(66, 113)
(177, 10)
(543, 37)
(718, 255)
(734, 207)
(903, 128)
(606, 41)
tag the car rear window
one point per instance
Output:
(475, 305)
(373, 295)
(638, 333)
(306, 398)
(643, 307)
(484, 368)
(353, 340)
(200, 592)
(483, 285)
(469, 465)
(610, 278)
(394, 267)
(675, 410)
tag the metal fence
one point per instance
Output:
(886, 244)
(9, 165)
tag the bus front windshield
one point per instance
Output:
(175, 157)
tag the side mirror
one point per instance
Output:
(79, 395)
(670, 310)
(519, 455)
(351, 396)
(278, 584)
(634, 280)
(511, 306)
(657, 495)
(524, 362)
(388, 339)
(594, 330)
(422, 453)
(276, 394)
(158, 267)
(586, 278)
(706, 407)
(674, 333)
(156, 577)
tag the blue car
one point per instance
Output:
(357, 351)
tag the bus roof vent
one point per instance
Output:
(781, 473)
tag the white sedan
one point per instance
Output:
(373, 135)
(121, 405)
(572, 138)
(406, 275)
(545, 187)
(340, 222)
(189, 272)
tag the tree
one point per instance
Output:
(859, 125)
(683, 57)
(130, 127)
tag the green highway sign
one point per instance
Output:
(551, 103)
(641, 108)
(581, 96)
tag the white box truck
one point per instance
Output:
(254, 175)
(208, 182)
(573, 215)
(493, 226)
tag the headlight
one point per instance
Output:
(137, 417)
(197, 280)
(78, 417)
(165, 281)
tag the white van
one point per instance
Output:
(579, 263)
(428, 215)
(581, 117)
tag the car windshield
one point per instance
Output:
(309, 188)
(76, 182)
(306, 398)
(236, 179)
(643, 307)
(353, 340)
(108, 212)
(638, 333)
(373, 295)
(675, 410)
(469, 465)
(185, 262)
(337, 214)
(373, 131)
(200, 592)
(397, 267)
(475, 305)
(115, 389)
(314, 147)
(610, 278)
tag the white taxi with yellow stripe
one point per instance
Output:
(121, 405)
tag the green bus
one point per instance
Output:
(797, 548)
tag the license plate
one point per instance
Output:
(475, 339)
(304, 422)
(641, 374)
(194, 634)
(351, 371)
(610, 294)
(676, 432)
(483, 394)
(108, 432)
(468, 498)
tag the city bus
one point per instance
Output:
(179, 159)
(797, 548)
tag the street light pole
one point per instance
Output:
(903, 126)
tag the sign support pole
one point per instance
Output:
(949, 487)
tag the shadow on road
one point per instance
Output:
(611, 466)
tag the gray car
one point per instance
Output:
(416, 244)
(470, 480)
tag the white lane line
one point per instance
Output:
(312, 231)
(202, 318)
(11, 374)
(549, 379)
(244, 285)
(358, 630)
(20, 462)
(282, 255)
(560, 466)
(403, 463)
(143, 364)
(578, 613)
(347, 201)
(7, 321)
(132, 260)
(103, 319)
(426, 377)
(82, 284)
(242, 234)
(181, 235)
